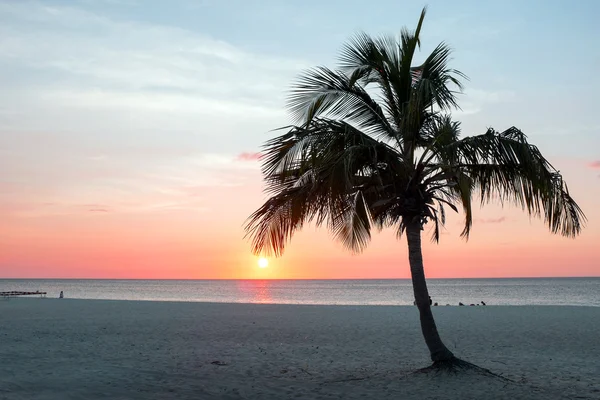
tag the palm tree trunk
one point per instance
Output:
(439, 352)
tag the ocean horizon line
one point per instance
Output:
(300, 279)
(508, 291)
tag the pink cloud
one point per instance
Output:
(594, 164)
(246, 156)
(492, 220)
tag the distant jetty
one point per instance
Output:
(18, 293)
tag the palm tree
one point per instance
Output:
(374, 147)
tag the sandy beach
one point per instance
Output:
(87, 349)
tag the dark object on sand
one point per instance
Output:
(482, 303)
(460, 304)
(61, 295)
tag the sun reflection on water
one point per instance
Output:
(256, 291)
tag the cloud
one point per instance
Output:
(248, 156)
(112, 2)
(128, 116)
(475, 100)
(117, 77)
(491, 220)
(594, 164)
(92, 51)
(486, 96)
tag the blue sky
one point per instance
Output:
(140, 106)
(531, 64)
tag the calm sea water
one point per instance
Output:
(534, 291)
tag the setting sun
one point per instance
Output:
(263, 262)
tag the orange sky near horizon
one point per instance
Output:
(207, 242)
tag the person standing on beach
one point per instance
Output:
(61, 295)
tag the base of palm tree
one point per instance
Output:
(455, 365)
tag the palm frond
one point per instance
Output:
(352, 225)
(321, 172)
(409, 42)
(322, 92)
(274, 223)
(373, 61)
(436, 136)
(503, 166)
(464, 190)
(435, 90)
(436, 82)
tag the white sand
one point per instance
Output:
(84, 349)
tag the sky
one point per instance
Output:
(129, 132)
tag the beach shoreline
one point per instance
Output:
(68, 348)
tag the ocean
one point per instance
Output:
(509, 291)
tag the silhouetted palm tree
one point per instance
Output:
(372, 148)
